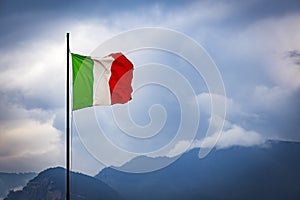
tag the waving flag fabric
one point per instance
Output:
(101, 81)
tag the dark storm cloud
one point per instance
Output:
(24, 22)
(263, 9)
(295, 56)
(22, 19)
(83, 8)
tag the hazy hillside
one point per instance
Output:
(50, 185)
(9, 181)
(235, 173)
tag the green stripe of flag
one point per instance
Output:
(83, 80)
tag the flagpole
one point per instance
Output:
(68, 123)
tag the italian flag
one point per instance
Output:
(101, 81)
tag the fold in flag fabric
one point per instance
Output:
(101, 81)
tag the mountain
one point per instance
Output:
(236, 173)
(50, 185)
(9, 181)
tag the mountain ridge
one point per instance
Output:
(9, 181)
(50, 185)
(233, 173)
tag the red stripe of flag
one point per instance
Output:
(120, 80)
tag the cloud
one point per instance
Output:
(257, 53)
(28, 139)
(32, 104)
(277, 111)
(232, 107)
(283, 72)
(293, 54)
(36, 71)
(233, 136)
(31, 94)
(29, 145)
(179, 148)
(258, 63)
(265, 98)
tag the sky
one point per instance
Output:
(255, 46)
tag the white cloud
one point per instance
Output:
(29, 145)
(235, 136)
(179, 148)
(36, 68)
(32, 83)
(38, 72)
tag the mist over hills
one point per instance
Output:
(235, 173)
(10, 181)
